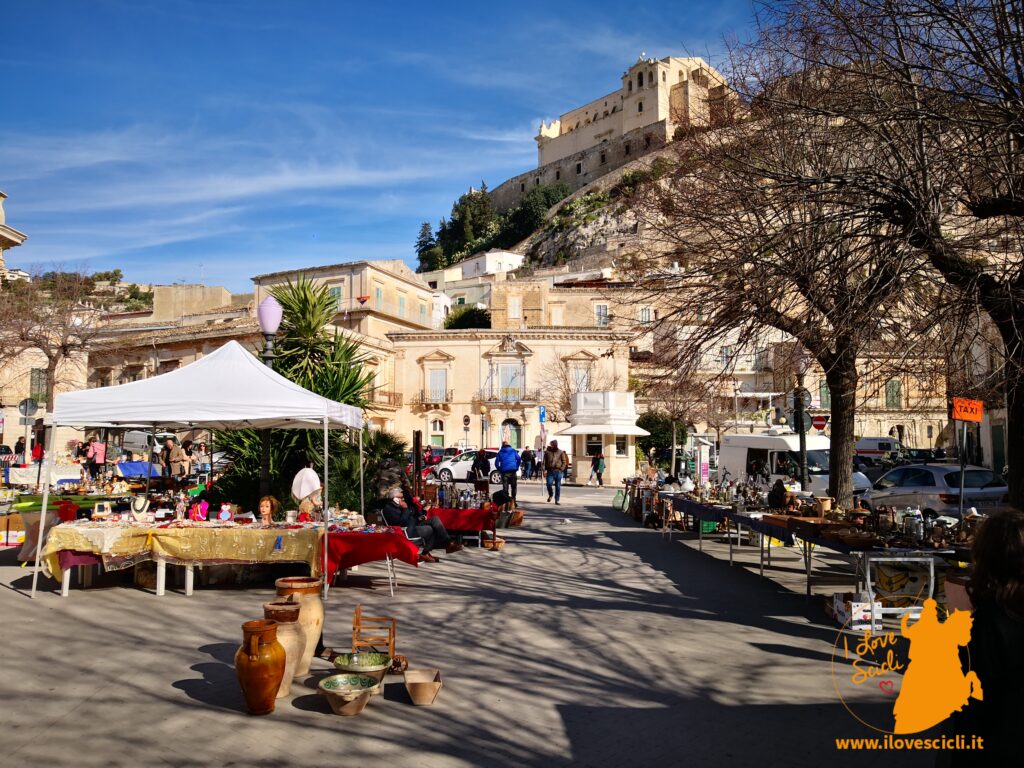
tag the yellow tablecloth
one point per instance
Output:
(193, 545)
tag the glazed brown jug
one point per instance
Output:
(305, 590)
(259, 664)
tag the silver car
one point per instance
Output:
(935, 489)
(458, 467)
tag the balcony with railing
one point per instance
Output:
(433, 396)
(507, 395)
(386, 398)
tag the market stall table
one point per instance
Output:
(347, 549)
(187, 544)
(477, 519)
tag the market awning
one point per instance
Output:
(758, 395)
(604, 429)
(226, 389)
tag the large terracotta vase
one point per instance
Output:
(259, 664)
(290, 635)
(305, 590)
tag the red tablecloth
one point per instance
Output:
(464, 519)
(346, 550)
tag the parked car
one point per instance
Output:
(935, 489)
(920, 455)
(458, 467)
(5, 450)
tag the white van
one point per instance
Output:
(879, 449)
(776, 453)
(139, 441)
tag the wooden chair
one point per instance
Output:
(370, 632)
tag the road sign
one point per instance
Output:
(28, 407)
(465, 421)
(962, 409)
(543, 411)
(26, 422)
(819, 422)
(807, 421)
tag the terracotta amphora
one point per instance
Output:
(289, 635)
(305, 590)
(259, 664)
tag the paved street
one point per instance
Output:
(587, 641)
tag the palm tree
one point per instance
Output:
(322, 361)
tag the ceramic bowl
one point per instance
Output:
(423, 685)
(374, 665)
(348, 694)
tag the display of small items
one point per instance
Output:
(451, 497)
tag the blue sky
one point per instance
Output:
(188, 140)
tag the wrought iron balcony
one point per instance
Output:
(385, 397)
(434, 396)
(507, 395)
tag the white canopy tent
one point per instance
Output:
(227, 389)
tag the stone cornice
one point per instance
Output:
(566, 333)
(10, 237)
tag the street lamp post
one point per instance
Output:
(483, 426)
(800, 397)
(269, 314)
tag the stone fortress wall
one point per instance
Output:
(584, 166)
(655, 100)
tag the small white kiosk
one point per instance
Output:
(603, 422)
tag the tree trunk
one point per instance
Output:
(51, 383)
(841, 376)
(672, 469)
(1015, 434)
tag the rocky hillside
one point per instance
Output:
(594, 223)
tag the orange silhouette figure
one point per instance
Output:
(934, 685)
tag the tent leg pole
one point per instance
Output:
(362, 493)
(149, 464)
(326, 514)
(41, 536)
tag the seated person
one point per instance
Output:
(779, 497)
(397, 512)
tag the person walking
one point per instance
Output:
(507, 464)
(597, 468)
(529, 462)
(555, 464)
(19, 451)
(593, 468)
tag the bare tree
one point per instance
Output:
(561, 378)
(51, 315)
(752, 252)
(931, 93)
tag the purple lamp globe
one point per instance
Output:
(269, 314)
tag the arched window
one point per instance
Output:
(639, 79)
(437, 425)
(639, 106)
